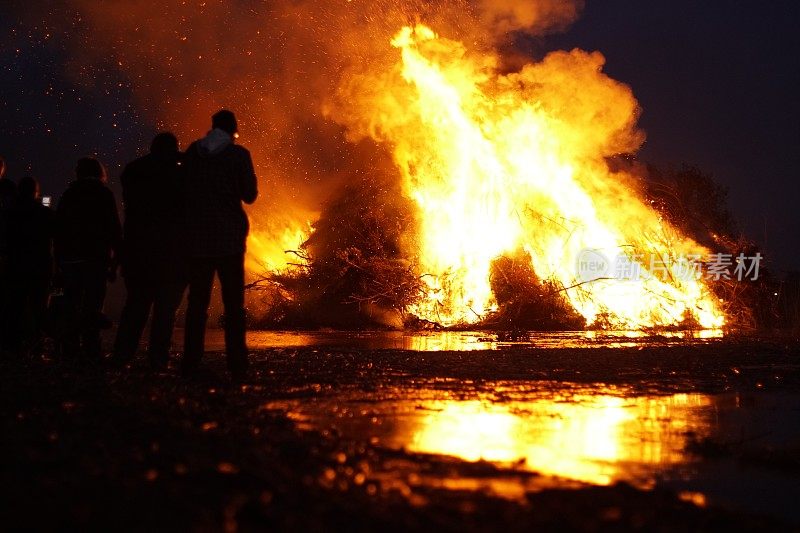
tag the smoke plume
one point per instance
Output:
(277, 64)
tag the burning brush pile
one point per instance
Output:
(416, 168)
(500, 186)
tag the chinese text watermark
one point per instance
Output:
(593, 264)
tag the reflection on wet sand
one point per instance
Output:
(590, 437)
(596, 439)
(434, 341)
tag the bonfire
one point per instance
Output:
(501, 167)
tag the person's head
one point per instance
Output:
(164, 145)
(90, 168)
(2, 167)
(226, 121)
(28, 188)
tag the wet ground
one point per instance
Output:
(462, 341)
(569, 433)
(454, 430)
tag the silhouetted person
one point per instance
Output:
(8, 194)
(88, 236)
(8, 189)
(153, 259)
(30, 242)
(220, 177)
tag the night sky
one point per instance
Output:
(719, 84)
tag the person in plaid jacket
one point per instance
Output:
(220, 177)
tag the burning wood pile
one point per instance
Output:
(419, 167)
(506, 179)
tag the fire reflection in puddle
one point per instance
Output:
(596, 438)
(434, 341)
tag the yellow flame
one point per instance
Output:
(269, 250)
(501, 163)
(590, 438)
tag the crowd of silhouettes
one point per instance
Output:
(184, 223)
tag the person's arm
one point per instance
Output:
(248, 183)
(115, 234)
(59, 225)
(125, 180)
(51, 227)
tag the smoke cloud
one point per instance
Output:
(532, 16)
(279, 65)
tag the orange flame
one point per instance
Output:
(498, 163)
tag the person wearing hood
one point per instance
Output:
(152, 251)
(220, 177)
(87, 245)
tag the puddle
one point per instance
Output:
(597, 438)
(460, 340)
(575, 433)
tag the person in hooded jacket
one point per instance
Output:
(153, 260)
(220, 176)
(87, 246)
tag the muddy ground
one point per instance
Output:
(94, 448)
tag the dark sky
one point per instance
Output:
(718, 81)
(47, 120)
(719, 84)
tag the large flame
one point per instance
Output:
(501, 163)
(497, 163)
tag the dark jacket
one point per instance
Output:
(153, 234)
(87, 223)
(30, 239)
(8, 194)
(220, 177)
